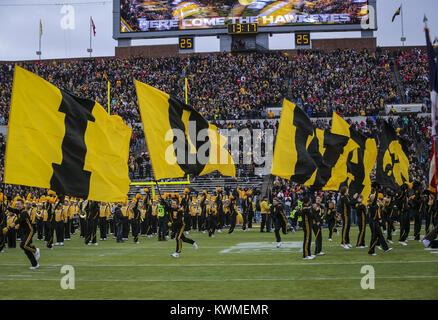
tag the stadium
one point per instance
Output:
(300, 170)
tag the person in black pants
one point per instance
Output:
(92, 210)
(429, 209)
(220, 209)
(375, 220)
(176, 215)
(361, 222)
(185, 204)
(2, 222)
(249, 209)
(232, 213)
(24, 224)
(212, 218)
(331, 219)
(391, 214)
(135, 221)
(402, 206)
(417, 208)
(307, 216)
(316, 226)
(345, 207)
(280, 220)
(118, 221)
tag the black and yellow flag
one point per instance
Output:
(179, 139)
(397, 13)
(392, 161)
(296, 147)
(360, 163)
(330, 147)
(65, 143)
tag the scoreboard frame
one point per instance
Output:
(117, 34)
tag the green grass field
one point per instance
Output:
(243, 265)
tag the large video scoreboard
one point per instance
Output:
(160, 19)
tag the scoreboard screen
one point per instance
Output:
(186, 43)
(150, 18)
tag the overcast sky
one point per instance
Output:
(19, 28)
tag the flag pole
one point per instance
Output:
(403, 39)
(186, 82)
(109, 105)
(91, 49)
(40, 29)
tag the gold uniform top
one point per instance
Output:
(124, 211)
(154, 210)
(59, 214)
(10, 219)
(65, 215)
(45, 215)
(193, 211)
(143, 214)
(71, 211)
(102, 211)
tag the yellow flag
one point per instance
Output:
(179, 139)
(65, 143)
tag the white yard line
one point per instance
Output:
(307, 263)
(233, 279)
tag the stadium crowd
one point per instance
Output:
(242, 86)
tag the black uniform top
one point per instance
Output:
(2, 216)
(360, 209)
(248, 204)
(185, 203)
(374, 211)
(330, 213)
(147, 203)
(401, 201)
(417, 200)
(92, 210)
(316, 215)
(202, 202)
(137, 212)
(307, 215)
(232, 207)
(345, 206)
(22, 223)
(176, 216)
(218, 201)
(118, 215)
(277, 213)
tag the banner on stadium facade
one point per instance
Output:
(65, 143)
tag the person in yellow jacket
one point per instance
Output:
(67, 219)
(211, 217)
(193, 213)
(71, 218)
(59, 224)
(265, 211)
(11, 236)
(103, 220)
(39, 221)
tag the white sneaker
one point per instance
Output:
(426, 243)
(309, 258)
(379, 247)
(37, 254)
(56, 244)
(96, 244)
(278, 244)
(384, 232)
(61, 243)
(389, 249)
(349, 245)
(374, 254)
(360, 247)
(36, 267)
(186, 232)
(321, 253)
(390, 241)
(403, 243)
(175, 255)
(137, 242)
(330, 239)
(313, 256)
(195, 246)
(219, 231)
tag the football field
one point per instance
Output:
(243, 265)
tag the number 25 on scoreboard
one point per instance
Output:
(302, 39)
(186, 43)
